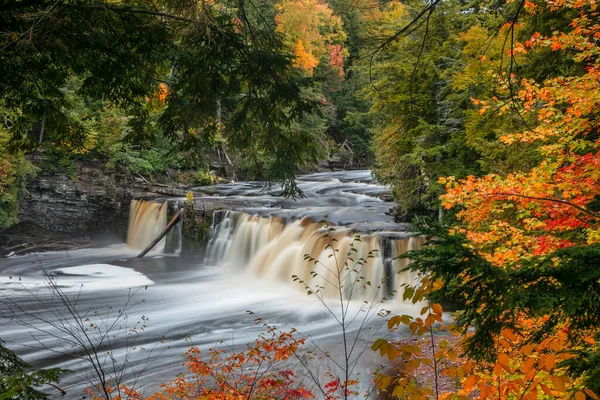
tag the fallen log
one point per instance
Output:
(164, 232)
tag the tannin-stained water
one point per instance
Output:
(146, 220)
(248, 265)
(269, 248)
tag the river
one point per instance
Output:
(201, 301)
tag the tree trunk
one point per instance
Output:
(164, 232)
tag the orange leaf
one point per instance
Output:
(589, 340)
(470, 382)
(591, 394)
(558, 383)
(579, 395)
(437, 308)
(550, 362)
(527, 349)
(546, 389)
(504, 360)
(509, 334)
(528, 365)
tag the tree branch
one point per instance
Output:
(131, 10)
(582, 209)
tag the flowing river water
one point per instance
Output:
(200, 301)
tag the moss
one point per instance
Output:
(196, 234)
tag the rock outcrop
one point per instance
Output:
(88, 199)
(82, 202)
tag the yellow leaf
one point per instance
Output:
(438, 284)
(384, 381)
(393, 353)
(383, 349)
(394, 321)
(452, 355)
(398, 392)
(377, 344)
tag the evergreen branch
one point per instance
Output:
(132, 10)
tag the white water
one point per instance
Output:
(272, 250)
(92, 277)
(248, 266)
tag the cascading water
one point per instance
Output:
(205, 299)
(146, 220)
(270, 248)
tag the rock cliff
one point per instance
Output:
(89, 199)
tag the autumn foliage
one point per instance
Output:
(524, 240)
(221, 374)
(314, 34)
(551, 206)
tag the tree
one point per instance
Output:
(419, 129)
(19, 381)
(554, 204)
(314, 33)
(224, 66)
(14, 170)
(249, 374)
(519, 263)
(524, 331)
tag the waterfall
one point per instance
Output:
(271, 248)
(146, 220)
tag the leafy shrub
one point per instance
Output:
(18, 381)
(204, 178)
(14, 171)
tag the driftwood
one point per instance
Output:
(164, 232)
(61, 390)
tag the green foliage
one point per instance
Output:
(419, 117)
(14, 172)
(223, 68)
(142, 161)
(204, 178)
(19, 381)
(423, 120)
(116, 53)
